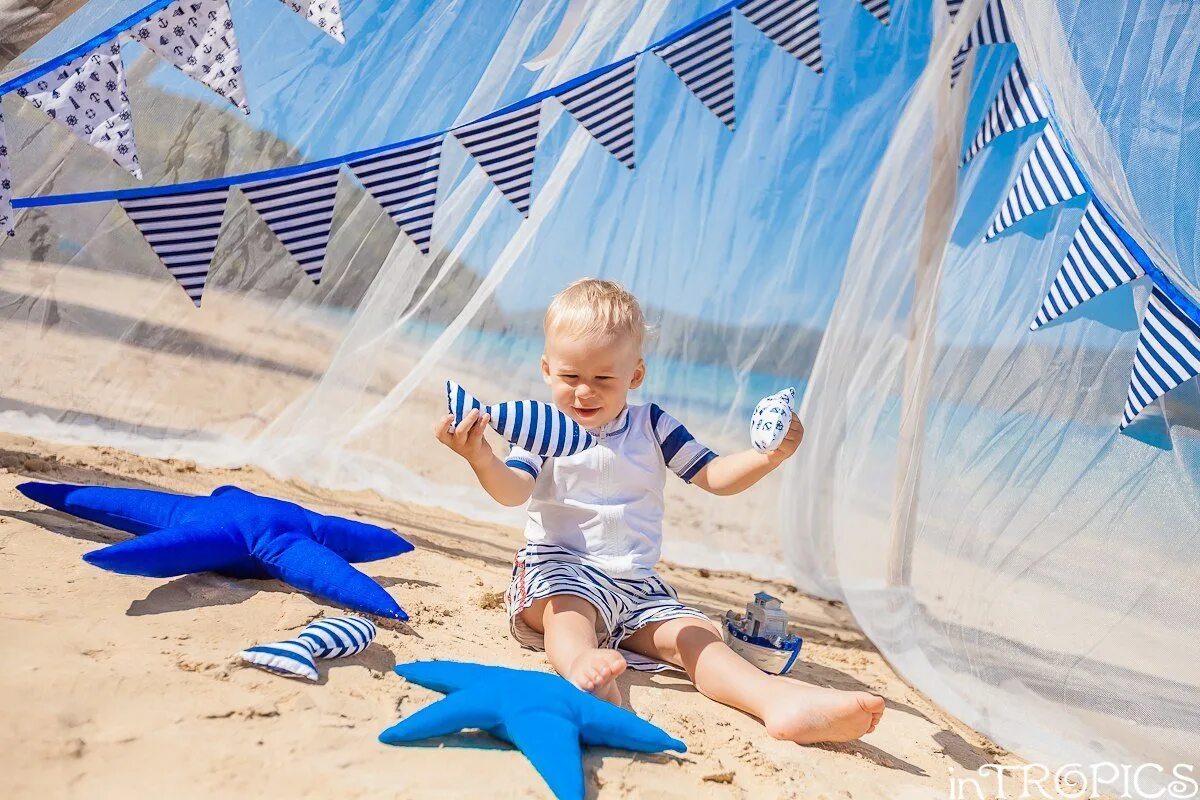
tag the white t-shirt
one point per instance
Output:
(606, 503)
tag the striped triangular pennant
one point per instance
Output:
(604, 107)
(504, 147)
(325, 14)
(182, 228)
(991, 28)
(89, 96)
(404, 181)
(1018, 104)
(703, 60)
(6, 210)
(1096, 261)
(1168, 354)
(197, 37)
(1047, 179)
(299, 211)
(791, 24)
(880, 9)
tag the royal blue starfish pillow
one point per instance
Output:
(236, 533)
(547, 717)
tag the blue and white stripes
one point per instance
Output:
(791, 24)
(1096, 262)
(604, 107)
(1168, 353)
(703, 60)
(681, 452)
(182, 228)
(1047, 179)
(334, 637)
(404, 181)
(299, 211)
(537, 427)
(504, 147)
(990, 28)
(1019, 103)
(880, 9)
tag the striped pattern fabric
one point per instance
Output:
(1018, 104)
(604, 107)
(1047, 179)
(299, 211)
(6, 210)
(991, 28)
(504, 147)
(703, 60)
(953, 7)
(539, 428)
(624, 604)
(1096, 262)
(335, 637)
(1168, 354)
(791, 24)
(880, 9)
(404, 181)
(182, 228)
(681, 452)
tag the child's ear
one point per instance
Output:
(639, 374)
(545, 370)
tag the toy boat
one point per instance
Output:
(760, 635)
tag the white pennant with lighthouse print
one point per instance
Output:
(6, 211)
(325, 14)
(197, 37)
(89, 96)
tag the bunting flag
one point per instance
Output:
(953, 7)
(182, 229)
(1018, 104)
(990, 28)
(604, 107)
(1168, 354)
(325, 14)
(299, 211)
(1047, 179)
(791, 24)
(6, 210)
(504, 146)
(404, 180)
(703, 60)
(1096, 261)
(880, 9)
(89, 96)
(197, 37)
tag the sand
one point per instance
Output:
(124, 687)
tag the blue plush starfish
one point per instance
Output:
(236, 533)
(545, 716)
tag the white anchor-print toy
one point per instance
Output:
(771, 420)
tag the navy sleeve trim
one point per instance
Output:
(699, 464)
(521, 465)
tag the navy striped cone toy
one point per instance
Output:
(537, 427)
(335, 637)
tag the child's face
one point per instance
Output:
(589, 377)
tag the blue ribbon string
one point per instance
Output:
(300, 169)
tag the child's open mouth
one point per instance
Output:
(585, 413)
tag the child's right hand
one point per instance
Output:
(467, 437)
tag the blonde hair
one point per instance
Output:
(591, 306)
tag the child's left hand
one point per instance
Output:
(791, 441)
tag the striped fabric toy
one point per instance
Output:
(537, 427)
(335, 637)
(771, 420)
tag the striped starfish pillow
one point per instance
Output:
(537, 427)
(334, 637)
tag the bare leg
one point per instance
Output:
(790, 710)
(569, 624)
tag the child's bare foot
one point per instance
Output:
(810, 714)
(594, 671)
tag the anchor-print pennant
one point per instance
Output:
(198, 38)
(325, 14)
(6, 209)
(89, 96)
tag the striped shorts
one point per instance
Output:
(623, 605)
